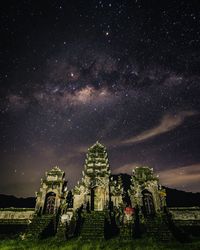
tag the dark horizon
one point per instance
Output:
(124, 73)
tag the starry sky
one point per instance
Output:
(125, 73)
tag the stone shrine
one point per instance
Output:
(97, 189)
(52, 193)
(145, 191)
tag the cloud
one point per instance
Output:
(127, 168)
(167, 123)
(186, 177)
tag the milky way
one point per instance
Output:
(124, 73)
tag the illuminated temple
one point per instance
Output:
(101, 205)
(97, 190)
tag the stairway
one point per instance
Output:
(61, 231)
(126, 232)
(158, 229)
(93, 226)
(41, 226)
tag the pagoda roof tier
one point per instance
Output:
(96, 159)
(55, 171)
(97, 145)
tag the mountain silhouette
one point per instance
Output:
(175, 198)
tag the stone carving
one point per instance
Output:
(97, 188)
(145, 191)
(52, 193)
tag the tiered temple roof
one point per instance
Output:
(96, 162)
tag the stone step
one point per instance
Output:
(93, 226)
(158, 229)
(39, 225)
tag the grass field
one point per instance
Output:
(114, 244)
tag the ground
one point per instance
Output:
(114, 244)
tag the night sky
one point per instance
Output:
(125, 73)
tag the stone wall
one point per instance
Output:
(187, 220)
(14, 221)
(185, 213)
(16, 213)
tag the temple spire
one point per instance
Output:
(97, 160)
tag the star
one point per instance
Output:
(111, 70)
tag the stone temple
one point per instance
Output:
(97, 188)
(97, 191)
(101, 206)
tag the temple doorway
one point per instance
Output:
(148, 204)
(97, 198)
(50, 203)
(92, 198)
